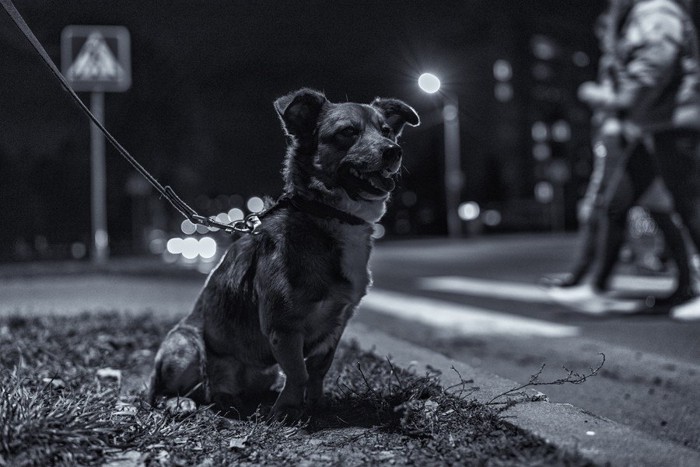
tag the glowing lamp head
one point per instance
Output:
(429, 83)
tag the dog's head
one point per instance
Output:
(343, 154)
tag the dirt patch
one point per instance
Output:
(72, 392)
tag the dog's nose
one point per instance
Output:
(392, 155)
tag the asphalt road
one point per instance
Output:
(501, 320)
(475, 300)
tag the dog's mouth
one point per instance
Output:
(367, 185)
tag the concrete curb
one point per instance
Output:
(563, 425)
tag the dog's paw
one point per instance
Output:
(314, 393)
(317, 408)
(286, 414)
(180, 406)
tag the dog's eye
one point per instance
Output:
(349, 131)
(387, 131)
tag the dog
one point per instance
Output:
(280, 299)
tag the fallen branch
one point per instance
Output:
(571, 377)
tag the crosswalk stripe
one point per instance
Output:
(531, 292)
(485, 288)
(461, 319)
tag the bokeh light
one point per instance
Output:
(207, 247)
(174, 246)
(255, 204)
(379, 231)
(429, 83)
(235, 214)
(190, 248)
(469, 211)
(187, 227)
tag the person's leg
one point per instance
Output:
(673, 236)
(625, 188)
(608, 160)
(585, 253)
(678, 159)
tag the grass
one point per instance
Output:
(72, 393)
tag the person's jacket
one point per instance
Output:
(658, 74)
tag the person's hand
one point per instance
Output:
(584, 211)
(611, 127)
(595, 95)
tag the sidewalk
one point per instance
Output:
(563, 425)
(135, 266)
(601, 440)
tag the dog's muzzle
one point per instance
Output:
(373, 184)
(392, 160)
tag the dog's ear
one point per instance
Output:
(299, 111)
(397, 113)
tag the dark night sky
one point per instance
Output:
(199, 114)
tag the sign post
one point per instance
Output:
(454, 179)
(97, 59)
(98, 182)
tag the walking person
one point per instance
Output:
(657, 95)
(611, 138)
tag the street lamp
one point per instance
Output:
(430, 84)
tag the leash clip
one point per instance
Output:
(253, 223)
(250, 225)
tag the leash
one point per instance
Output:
(250, 224)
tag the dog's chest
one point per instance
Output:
(352, 256)
(355, 250)
(327, 317)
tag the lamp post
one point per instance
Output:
(430, 84)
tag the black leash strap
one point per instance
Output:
(248, 225)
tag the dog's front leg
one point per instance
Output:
(317, 366)
(288, 349)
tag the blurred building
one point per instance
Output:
(526, 156)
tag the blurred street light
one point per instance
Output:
(469, 211)
(430, 84)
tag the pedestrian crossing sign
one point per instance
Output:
(96, 58)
